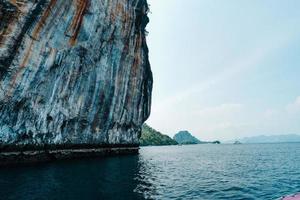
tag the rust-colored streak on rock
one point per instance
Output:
(135, 65)
(14, 2)
(7, 22)
(81, 6)
(19, 4)
(27, 55)
(118, 11)
(137, 56)
(120, 8)
(122, 14)
(28, 52)
(22, 65)
(5, 32)
(42, 22)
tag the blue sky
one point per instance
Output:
(225, 69)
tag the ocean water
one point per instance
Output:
(254, 171)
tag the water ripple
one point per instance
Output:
(204, 172)
(262, 171)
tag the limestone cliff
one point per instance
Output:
(73, 73)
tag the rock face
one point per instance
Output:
(73, 73)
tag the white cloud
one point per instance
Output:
(294, 107)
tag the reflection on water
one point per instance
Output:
(107, 178)
(264, 171)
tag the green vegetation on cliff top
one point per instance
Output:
(151, 137)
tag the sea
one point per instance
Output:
(206, 171)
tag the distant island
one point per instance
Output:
(185, 137)
(268, 139)
(152, 137)
(237, 142)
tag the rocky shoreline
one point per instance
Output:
(58, 153)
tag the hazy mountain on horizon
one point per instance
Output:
(269, 139)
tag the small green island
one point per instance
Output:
(152, 137)
(185, 138)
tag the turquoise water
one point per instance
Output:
(258, 171)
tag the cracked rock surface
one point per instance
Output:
(73, 72)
